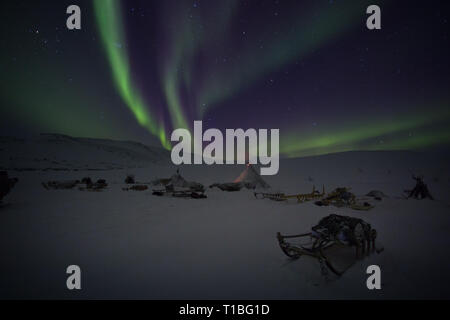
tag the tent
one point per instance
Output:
(251, 178)
(177, 181)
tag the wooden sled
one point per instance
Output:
(301, 197)
(332, 253)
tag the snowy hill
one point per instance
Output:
(61, 152)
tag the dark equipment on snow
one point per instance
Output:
(179, 193)
(420, 191)
(177, 181)
(230, 186)
(59, 185)
(136, 187)
(70, 184)
(178, 187)
(130, 179)
(331, 234)
(6, 184)
(86, 180)
(98, 186)
(342, 197)
(376, 194)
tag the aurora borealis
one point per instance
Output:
(139, 69)
(111, 33)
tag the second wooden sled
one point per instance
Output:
(336, 250)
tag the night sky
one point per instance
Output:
(138, 69)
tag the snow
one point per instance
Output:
(136, 245)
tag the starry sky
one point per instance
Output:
(138, 69)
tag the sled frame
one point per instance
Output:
(317, 248)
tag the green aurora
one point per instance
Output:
(376, 134)
(190, 93)
(111, 30)
(188, 37)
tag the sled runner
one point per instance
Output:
(337, 242)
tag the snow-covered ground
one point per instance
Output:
(136, 245)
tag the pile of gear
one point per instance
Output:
(6, 184)
(134, 186)
(342, 197)
(177, 186)
(376, 194)
(86, 184)
(130, 179)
